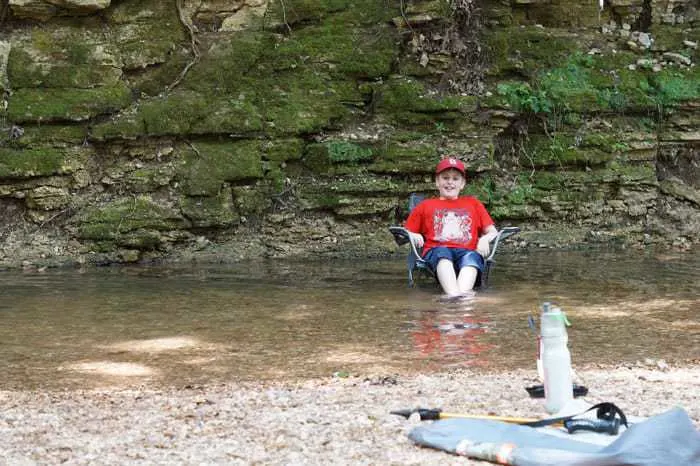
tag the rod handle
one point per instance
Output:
(605, 426)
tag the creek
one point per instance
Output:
(267, 320)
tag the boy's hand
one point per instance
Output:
(417, 239)
(483, 247)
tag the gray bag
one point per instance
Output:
(665, 439)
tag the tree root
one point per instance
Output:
(193, 43)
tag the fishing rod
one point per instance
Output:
(604, 424)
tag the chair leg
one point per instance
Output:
(485, 275)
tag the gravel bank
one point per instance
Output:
(319, 422)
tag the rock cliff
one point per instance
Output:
(221, 130)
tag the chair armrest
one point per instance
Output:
(403, 236)
(504, 233)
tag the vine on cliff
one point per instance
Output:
(193, 42)
(4, 9)
(460, 40)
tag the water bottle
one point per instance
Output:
(556, 359)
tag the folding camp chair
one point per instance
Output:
(415, 262)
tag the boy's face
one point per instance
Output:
(450, 183)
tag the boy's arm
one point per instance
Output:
(483, 247)
(413, 224)
(417, 239)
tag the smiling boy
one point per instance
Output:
(454, 231)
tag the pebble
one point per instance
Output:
(309, 422)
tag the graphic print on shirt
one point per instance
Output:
(452, 225)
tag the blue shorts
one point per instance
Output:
(459, 257)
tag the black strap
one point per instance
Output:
(606, 411)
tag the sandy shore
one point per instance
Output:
(320, 422)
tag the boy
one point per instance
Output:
(454, 231)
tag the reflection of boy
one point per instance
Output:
(452, 339)
(454, 231)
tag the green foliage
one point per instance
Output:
(612, 98)
(521, 193)
(343, 151)
(523, 98)
(585, 84)
(673, 86)
(482, 188)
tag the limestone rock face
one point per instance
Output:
(4, 54)
(138, 129)
(655, 11)
(250, 13)
(43, 10)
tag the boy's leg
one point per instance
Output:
(466, 279)
(470, 263)
(446, 262)
(445, 271)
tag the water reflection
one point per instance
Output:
(70, 328)
(452, 338)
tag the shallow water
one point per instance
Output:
(189, 326)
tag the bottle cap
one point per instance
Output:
(559, 314)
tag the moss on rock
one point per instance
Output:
(47, 135)
(527, 50)
(252, 200)
(321, 157)
(407, 101)
(210, 212)
(173, 114)
(340, 49)
(411, 158)
(147, 179)
(126, 125)
(300, 103)
(561, 150)
(229, 115)
(284, 15)
(207, 165)
(144, 31)
(49, 105)
(31, 163)
(227, 61)
(134, 222)
(61, 57)
(557, 13)
(282, 150)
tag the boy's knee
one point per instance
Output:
(472, 259)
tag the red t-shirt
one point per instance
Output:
(454, 223)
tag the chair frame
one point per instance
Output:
(415, 261)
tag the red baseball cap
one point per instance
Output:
(450, 162)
